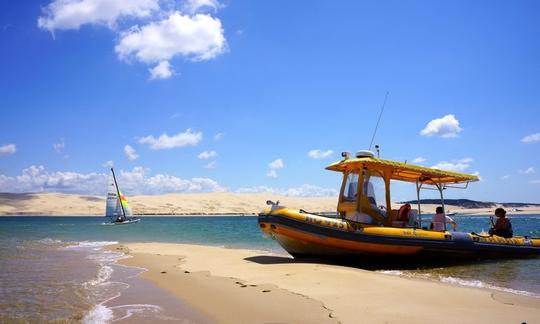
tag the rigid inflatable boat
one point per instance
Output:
(362, 228)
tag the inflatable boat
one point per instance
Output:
(361, 227)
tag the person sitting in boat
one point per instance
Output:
(503, 226)
(439, 221)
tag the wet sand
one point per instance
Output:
(235, 285)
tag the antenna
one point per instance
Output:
(378, 120)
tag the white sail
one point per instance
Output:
(113, 208)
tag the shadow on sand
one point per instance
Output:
(372, 263)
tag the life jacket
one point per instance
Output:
(403, 213)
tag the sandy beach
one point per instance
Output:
(216, 203)
(238, 285)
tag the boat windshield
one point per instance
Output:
(351, 188)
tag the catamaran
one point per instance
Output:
(362, 227)
(117, 207)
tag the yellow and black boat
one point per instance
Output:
(363, 228)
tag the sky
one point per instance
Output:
(260, 96)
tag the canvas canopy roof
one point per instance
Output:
(402, 171)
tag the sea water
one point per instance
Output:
(58, 268)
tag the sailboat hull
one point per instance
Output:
(127, 221)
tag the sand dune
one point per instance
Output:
(168, 204)
(184, 204)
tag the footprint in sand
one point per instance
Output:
(266, 291)
(163, 271)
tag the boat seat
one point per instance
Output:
(398, 224)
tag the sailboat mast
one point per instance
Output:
(118, 193)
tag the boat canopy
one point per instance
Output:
(402, 171)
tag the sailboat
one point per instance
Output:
(117, 207)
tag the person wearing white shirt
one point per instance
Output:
(439, 220)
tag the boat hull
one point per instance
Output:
(303, 234)
(127, 221)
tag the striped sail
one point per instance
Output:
(113, 208)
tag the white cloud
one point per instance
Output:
(318, 154)
(130, 153)
(211, 165)
(136, 181)
(207, 155)
(477, 173)
(163, 70)
(194, 6)
(505, 177)
(187, 138)
(535, 181)
(454, 165)
(37, 179)
(529, 170)
(218, 136)
(59, 147)
(531, 138)
(197, 38)
(276, 164)
(305, 190)
(72, 14)
(108, 164)
(419, 160)
(8, 149)
(273, 167)
(445, 127)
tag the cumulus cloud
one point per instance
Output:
(136, 181)
(445, 127)
(197, 38)
(8, 149)
(419, 160)
(273, 167)
(187, 138)
(72, 14)
(529, 170)
(37, 179)
(163, 70)
(108, 164)
(218, 136)
(531, 138)
(159, 34)
(194, 6)
(319, 154)
(454, 165)
(59, 147)
(207, 155)
(130, 153)
(305, 190)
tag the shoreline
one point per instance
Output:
(533, 212)
(233, 285)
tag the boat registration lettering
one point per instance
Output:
(326, 222)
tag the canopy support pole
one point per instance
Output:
(441, 188)
(418, 187)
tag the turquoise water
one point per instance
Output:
(55, 268)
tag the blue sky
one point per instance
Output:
(277, 79)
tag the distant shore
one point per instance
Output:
(245, 286)
(196, 204)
